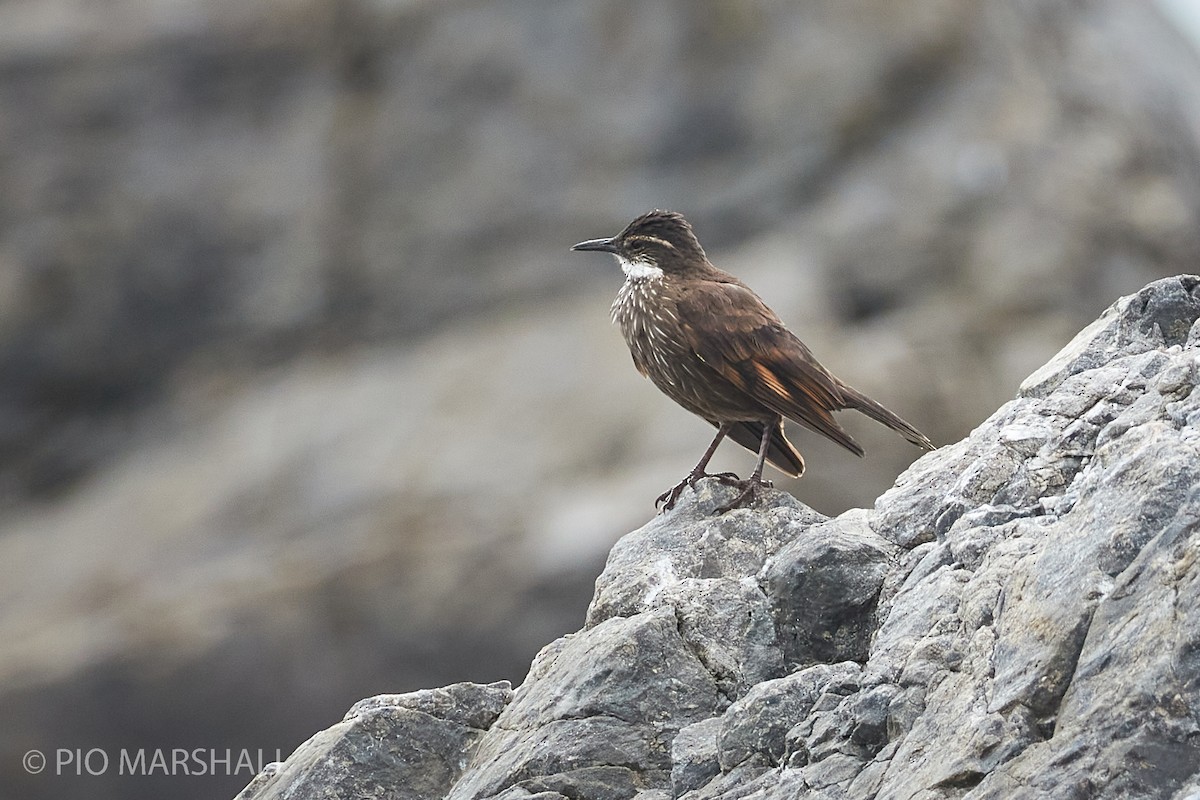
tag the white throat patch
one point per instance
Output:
(640, 270)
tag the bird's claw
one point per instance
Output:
(667, 500)
(746, 496)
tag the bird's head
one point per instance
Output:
(656, 243)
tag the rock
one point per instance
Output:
(756, 725)
(694, 755)
(703, 568)
(690, 542)
(1018, 617)
(823, 586)
(409, 746)
(597, 714)
(1156, 315)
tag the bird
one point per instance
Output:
(709, 343)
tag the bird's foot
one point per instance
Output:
(666, 501)
(749, 487)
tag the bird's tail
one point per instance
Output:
(781, 453)
(860, 402)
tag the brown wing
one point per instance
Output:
(734, 332)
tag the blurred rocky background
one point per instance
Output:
(303, 398)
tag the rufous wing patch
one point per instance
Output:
(771, 381)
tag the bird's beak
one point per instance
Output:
(603, 245)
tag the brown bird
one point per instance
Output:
(711, 345)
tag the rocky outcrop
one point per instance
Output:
(1018, 617)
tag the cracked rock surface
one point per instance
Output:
(1018, 617)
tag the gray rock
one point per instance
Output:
(1157, 316)
(694, 755)
(729, 626)
(409, 747)
(1041, 641)
(823, 587)
(756, 725)
(702, 567)
(521, 793)
(599, 782)
(598, 713)
(466, 704)
(691, 543)
(743, 781)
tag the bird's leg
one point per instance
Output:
(752, 484)
(668, 498)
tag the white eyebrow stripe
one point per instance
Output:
(644, 238)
